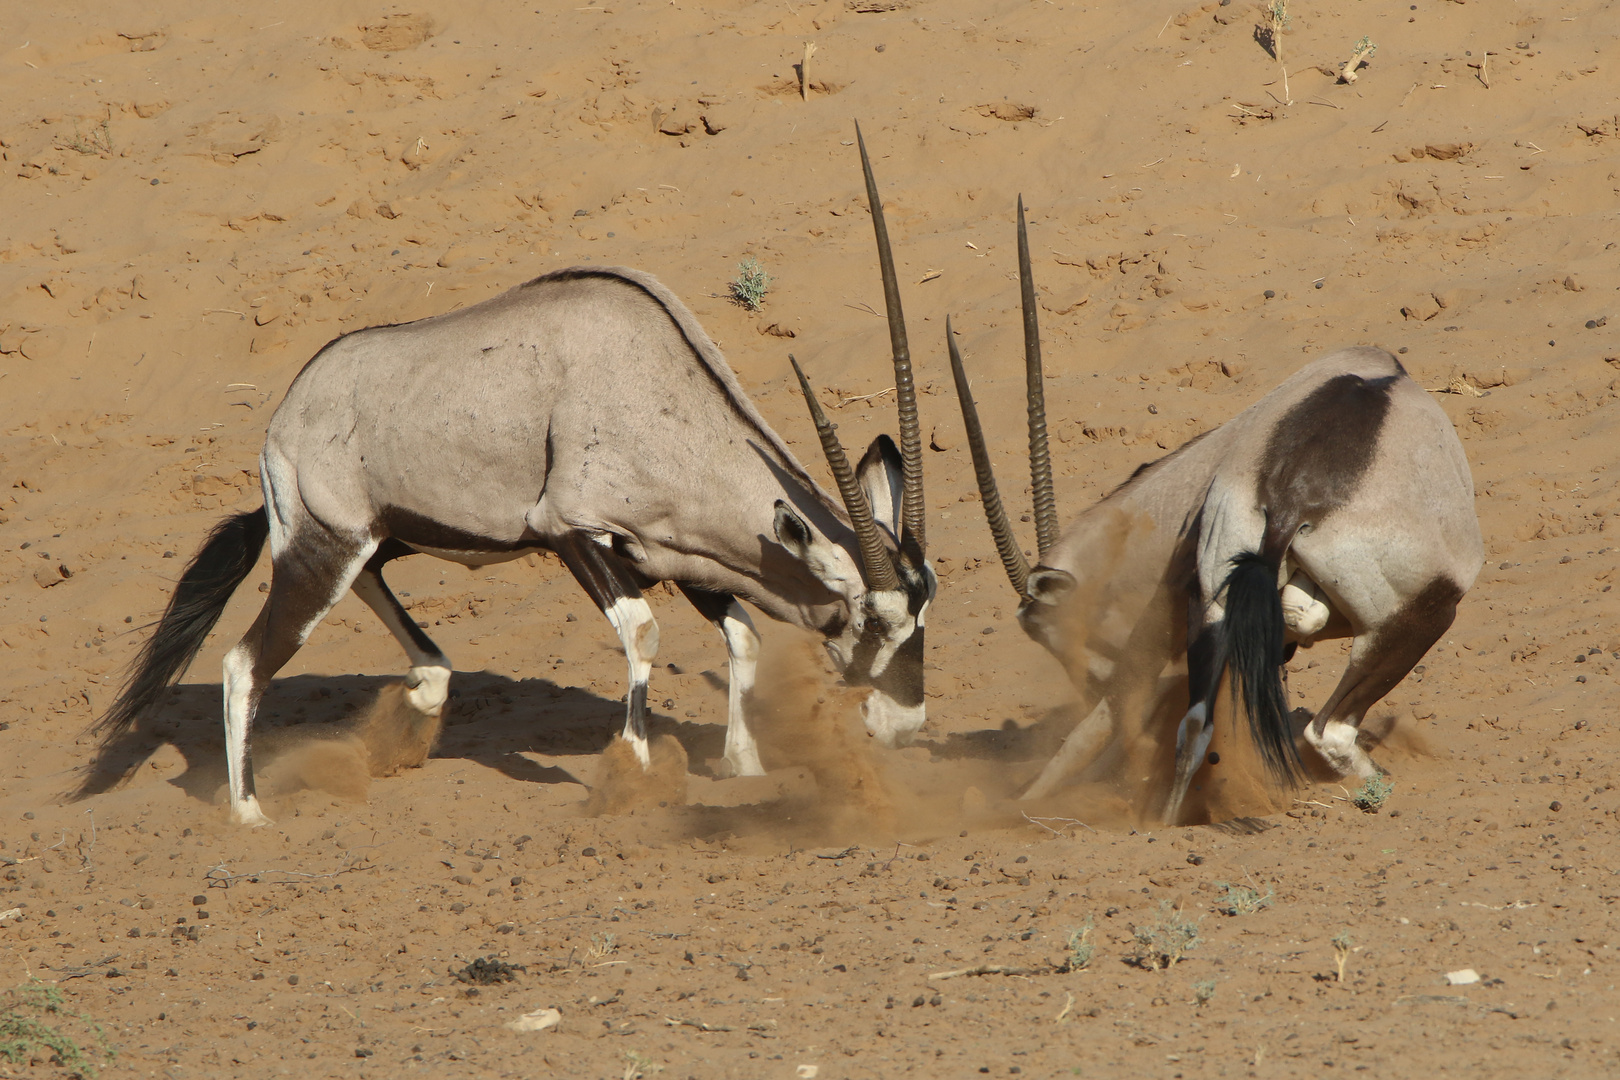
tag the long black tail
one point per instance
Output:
(226, 558)
(1255, 639)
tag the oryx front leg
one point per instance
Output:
(610, 584)
(1079, 750)
(1192, 742)
(1206, 662)
(742, 651)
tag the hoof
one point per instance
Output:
(248, 813)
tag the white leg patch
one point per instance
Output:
(238, 692)
(742, 648)
(632, 617)
(890, 722)
(1337, 745)
(427, 688)
(1192, 742)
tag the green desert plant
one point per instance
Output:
(1203, 990)
(34, 1023)
(1161, 943)
(98, 142)
(1242, 899)
(748, 288)
(1371, 796)
(1362, 52)
(1342, 946)
(1081, 946)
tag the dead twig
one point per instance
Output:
(677, 1021)
(1041, 821)
(219, 877)
(850, 401)
(992, 969)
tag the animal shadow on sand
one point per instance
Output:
(490, 719)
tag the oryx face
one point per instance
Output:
(875, 639)
(882, 647)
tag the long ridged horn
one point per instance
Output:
(913, 514)
(876, 568)
(1040, 458)
(1012, 557)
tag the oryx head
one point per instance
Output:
(878, 641)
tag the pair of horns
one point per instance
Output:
(1040, 458)
(877, 566)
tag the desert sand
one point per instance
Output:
(197, 198)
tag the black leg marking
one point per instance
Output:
(610, 583)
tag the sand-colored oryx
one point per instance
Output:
(1338, 505)
(585, 413)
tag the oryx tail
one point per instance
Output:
(1253, 640)
(225, 560)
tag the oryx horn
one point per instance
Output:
(876, 568)
(1040, 458)
(912, 511)
(1006, 543)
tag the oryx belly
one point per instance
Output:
(472, 558)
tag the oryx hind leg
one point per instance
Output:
(1379, 659)
(427, 684)
(742, 651)
(609, 582)
(311, 572)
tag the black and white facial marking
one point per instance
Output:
(875, 638)
(885, 651)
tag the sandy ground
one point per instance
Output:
(196, 200)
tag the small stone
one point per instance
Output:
(1270, 294)
(1555, 806)
(540, 1020)
(1464, 977)
(292, 980)
(589, 853)
(199, 900)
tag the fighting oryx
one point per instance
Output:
(1338, 505)
(585, 413)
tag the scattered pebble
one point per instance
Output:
(1464, 977)
(539, 1020)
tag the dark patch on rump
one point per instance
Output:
(1318, 453)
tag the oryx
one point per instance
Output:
(1338, 505)
(585, 413)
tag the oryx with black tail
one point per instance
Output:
(585, 413)
(1338, 505)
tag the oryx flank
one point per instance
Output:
(585, 413)
(1338, 505)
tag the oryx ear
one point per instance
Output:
(881, 477)
(792, 533)
(1048, 586)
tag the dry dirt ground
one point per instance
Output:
(196, 199)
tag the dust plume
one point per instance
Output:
(387, 737)
(802, 718)
(1122, 639)
(623, 785)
